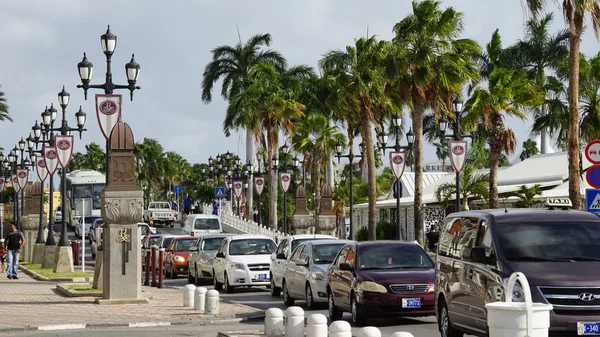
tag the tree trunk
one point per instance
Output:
(249, 159)
(417, 121)
(495, 153)
(316, 177)
(271, 148)
(367, 136)
(573, 94)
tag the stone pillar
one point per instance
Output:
(122, 208)
(301, 218)
(326, 217)
(30, 221)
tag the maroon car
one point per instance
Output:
(381, 278)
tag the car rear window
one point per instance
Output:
(297, 242)
(184, 244)
(204, 223)
(325, 254)
(393, 257)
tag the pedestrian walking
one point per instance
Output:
(432, 239)
(2, 256)
(14, 243)
(187, 205)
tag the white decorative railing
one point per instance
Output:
(243, 225)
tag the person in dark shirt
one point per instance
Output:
(187, 204)
(14, 243)
(432, 239)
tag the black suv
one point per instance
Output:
(557, 250)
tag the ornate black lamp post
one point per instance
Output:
(32, 143)
(383, 138)
(295, 161)
(12, 158)
(350, 156)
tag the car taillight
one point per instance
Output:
(192, 234)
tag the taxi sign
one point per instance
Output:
(559, 202)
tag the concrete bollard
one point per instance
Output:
(274, 322)
(212, 302)
(402, 334)
(316, 326)
(340, 329)
(188, 295)
(369, 331)
(200, 298)
(294, 318)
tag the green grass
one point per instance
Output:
(83, 287)
(48, 272)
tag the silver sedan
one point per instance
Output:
(202, 254)
(305, 277)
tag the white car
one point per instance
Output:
(200, 224)
(281, 257)
(84, 225)
(243, 261)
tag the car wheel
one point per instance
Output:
(287, 299)
(310, 301)
(217, 285)
(191, 280)
(334, 313)
(446, 329)
(358, 315)
(197, 279)
(228, 288)
(275, 291)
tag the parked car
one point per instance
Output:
(281, 257)
(159, 212)
(58, 214)
(243, 260)
(176, 256)
(84, 224)
(558, 251)
(202, 255)
(93, 237)
(381, 278)
(198, 224)
(305, 277)
(146, 229)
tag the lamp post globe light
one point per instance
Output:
(339, 147)
(382, 139)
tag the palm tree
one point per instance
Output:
(527, 196)
(233, 65)
(439, 64)
(4, 108)
(529, 149)
(507, 93)
(472, 185)
(150, 166)
(356, 78)
(574, 12)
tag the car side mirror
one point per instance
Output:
(193, 249)
(345, 266)
(220, 254)
(478, 255)
(301, 262)
(281, 256)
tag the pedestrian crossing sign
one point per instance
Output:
(220, 192)
(592, 200)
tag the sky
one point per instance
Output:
(42, 41)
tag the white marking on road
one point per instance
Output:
(61, 327)
(148, 324)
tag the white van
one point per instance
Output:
(197, 224)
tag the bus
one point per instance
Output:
(83, 192)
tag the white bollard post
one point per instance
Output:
(212, 302)
(274, 322)
(188, 295)
(340, 329)
(200, 298)
(316, 326)
(369, 331)
(294, 317)
(402, 334)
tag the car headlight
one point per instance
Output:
(318, 276)
(518, 295)
(236, 266)
(179, 259)
(373, 287)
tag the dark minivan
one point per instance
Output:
(557, 250)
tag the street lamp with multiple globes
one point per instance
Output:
(32, 143)
(295, 161)
(382, 137)
(350, 156)
(12, 159)
(456, 134)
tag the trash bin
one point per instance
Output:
(75, 247)
(523, 319)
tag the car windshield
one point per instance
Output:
(399, 256)
(90, 219)
(210, 223)
(184, 244)
(550, 240)
(152, 241)
(297, 242)
(167, 242)
(144, 229)
(251, 247)
(325, 254)
(212, 243)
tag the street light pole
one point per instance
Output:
(33, 144)
(350, 156)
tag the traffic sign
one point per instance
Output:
(593, 176)
(220, 192)
(592, 152)
(178, 189)
(592, 200)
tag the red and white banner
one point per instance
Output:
(41, 169)
(64, 148)
(398, 163)
(458, 154)
(51, 157)
(15, 183)
(286, 179)
(22, 177)
(2, 184)
(259, 184)
(237, 188)
(108, 111)
(210, 181)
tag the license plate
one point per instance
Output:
(261, 276)
(588, 328)
(411, 302)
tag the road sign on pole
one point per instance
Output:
(592, 152)
(220, 192)
(593, 176)
(178, 189)
(592, 200)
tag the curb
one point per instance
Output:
(39, 277)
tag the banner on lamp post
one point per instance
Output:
(64, 149)
(15, 183)
(22, 177)
(259, 184)
(108, 111)
(286, 179)
(458, 154)
(51, 158)
(41, 169)
(210, 181)
(398, 163)
(237, 188)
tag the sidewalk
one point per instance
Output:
(29, 304)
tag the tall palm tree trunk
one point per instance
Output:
(417, 121)
(573, 94)
(495, 152)
(317, 185)
(249, 159)
(366, 133)
(271, 148)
